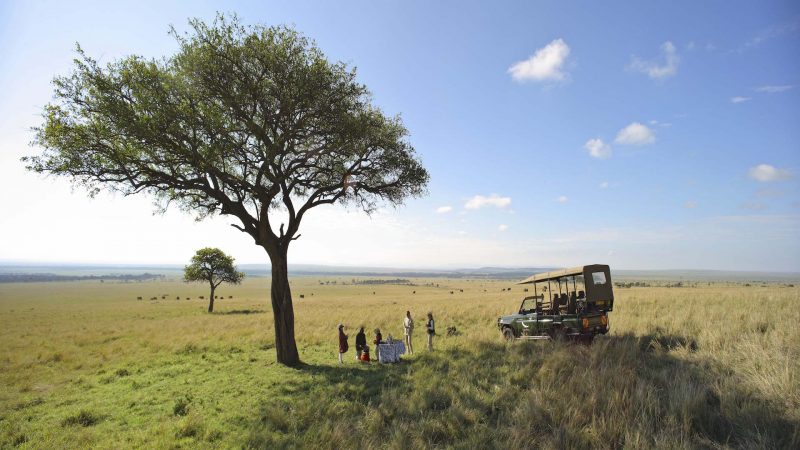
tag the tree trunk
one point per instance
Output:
(211, 299)
(283, 311)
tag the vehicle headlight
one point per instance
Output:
(585, 323)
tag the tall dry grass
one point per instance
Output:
(85, 364)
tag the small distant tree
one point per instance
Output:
(213, 266)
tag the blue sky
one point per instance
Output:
(643, 135)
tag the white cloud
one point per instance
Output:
(545, 65)
(691, 204)
(738, 99)
(598, 149)
(604, 185)
(765, 173)
(444, 209)
(502, 227)
(770, 89)
(562, 199)
(480, 201)
(653, 69)
(635, 134)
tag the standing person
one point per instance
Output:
(361, 343)
(378, 340)
(343, 347)
(408, 328)
(431, 326)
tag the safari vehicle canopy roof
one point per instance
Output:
(596, 280)
(574, 271)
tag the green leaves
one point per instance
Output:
(242, 121)
(212, 265)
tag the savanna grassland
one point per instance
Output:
(86, 364)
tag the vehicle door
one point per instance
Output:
(528, 324)
(544, 323)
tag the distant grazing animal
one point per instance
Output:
(414, 292)
(138, 298)
(302, 296)
(451, 292)
(230, 296)
(451, 331)
(201, 297)
(526, 289)
(188, 298)
(460, 290)
(177, 298)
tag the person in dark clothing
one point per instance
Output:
(431, 328)
(361, 343)
(343, 347)
(378, 340)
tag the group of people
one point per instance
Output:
(362, 350)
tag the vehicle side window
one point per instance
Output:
(598, 278)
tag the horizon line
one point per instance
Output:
(34, 263)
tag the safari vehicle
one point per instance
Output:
(566, 304)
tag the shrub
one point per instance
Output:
(83, 418)
(181, 407)
(191, 426)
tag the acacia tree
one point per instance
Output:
(213, 266)
(245, 121)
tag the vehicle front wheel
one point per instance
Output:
(508, 334)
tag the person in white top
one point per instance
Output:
(408, 329)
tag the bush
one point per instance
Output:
(191, 427)
(181, 407)
(83, 418)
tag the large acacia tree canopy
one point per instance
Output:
(240, 121)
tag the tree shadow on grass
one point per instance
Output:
(621, 391)
(241, 311)
(361, 382)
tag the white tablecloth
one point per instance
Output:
(390, 352)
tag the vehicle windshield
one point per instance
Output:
(528, 306)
